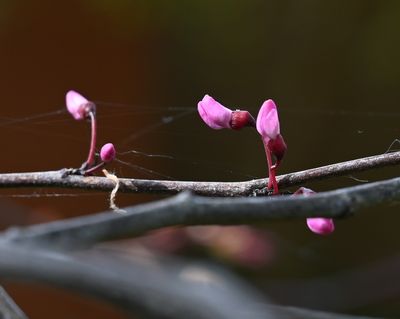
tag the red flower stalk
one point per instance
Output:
(274, 144)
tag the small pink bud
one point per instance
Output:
(78, 105)
(214, 114)
(318, 225)
(321, 226)
(107, 153)
(241, 119)
(268, 121)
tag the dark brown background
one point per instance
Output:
(332, 67)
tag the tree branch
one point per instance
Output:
(189, 209)
(8, 308)
(228, 189)
(153, 289)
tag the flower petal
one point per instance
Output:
(321, 226)
(75, 103)
(268, 121)
(214, 114)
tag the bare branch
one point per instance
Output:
(302, 313)
(8, 308)
(189, 209)
(246, 188)
(153, 291)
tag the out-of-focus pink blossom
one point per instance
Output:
(107, 153)
(78, 105)
(242, 245)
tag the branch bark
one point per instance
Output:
(155, 290)
(8, 308)
(189, 209)
(224, 189)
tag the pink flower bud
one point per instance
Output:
(107, 153)
(321, 226)
(214, 114)
(318, 225)
(268, 121)
(78, 106)
(241, 119)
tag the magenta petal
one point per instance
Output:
(321, 226)
(76, 104)
(214, 114)
(107, 152)
(268, 121)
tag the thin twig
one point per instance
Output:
(225, 189)
(8, 308)
(189, 209)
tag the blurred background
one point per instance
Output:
(332, 67)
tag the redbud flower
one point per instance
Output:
(214, 114)
(78, 105)
(318, 225)
(107, 153)
(268, 121)
(80, 108)
(217, 116)
(269, 128)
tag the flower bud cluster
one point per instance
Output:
(81, 108)
(217, 116)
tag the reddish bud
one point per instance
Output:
(277, 147)
(241, 119)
